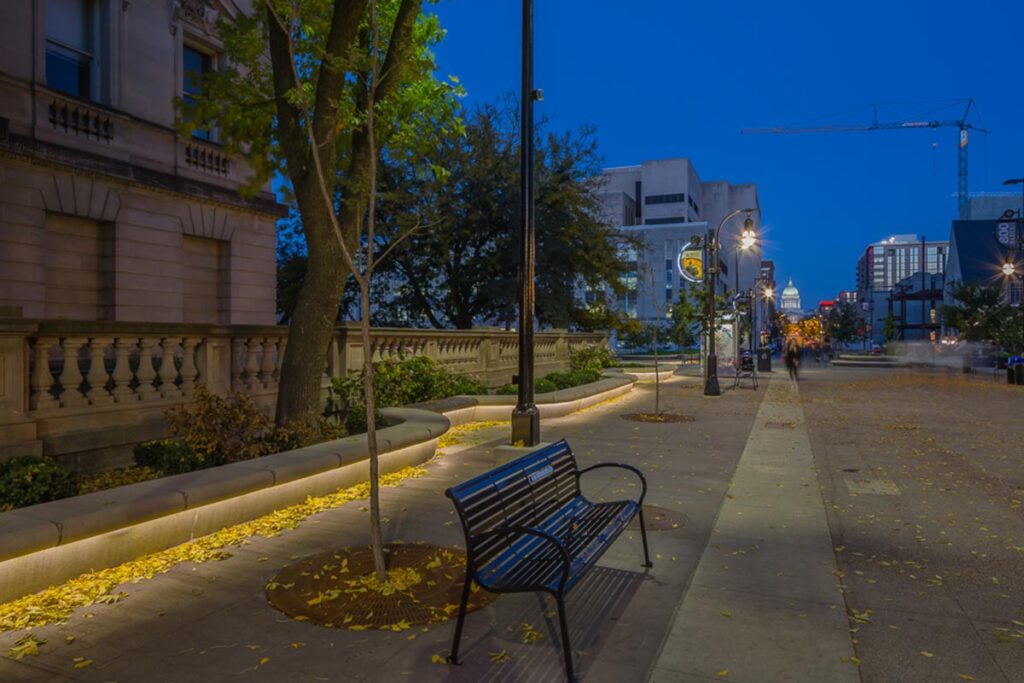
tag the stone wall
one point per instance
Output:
(85, 392)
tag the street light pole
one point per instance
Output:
(525, 416)
(711, 387)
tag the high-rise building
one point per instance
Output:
(666, 204)
(901, 277)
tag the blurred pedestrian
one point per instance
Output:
(791, 352)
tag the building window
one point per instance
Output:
(665, 198)
(195, 65)
(72, 47)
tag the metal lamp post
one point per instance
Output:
(1009, 270)
(525, 416)
(711, 387)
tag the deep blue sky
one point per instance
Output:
(665, 78)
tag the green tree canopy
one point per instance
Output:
(293, 100)
(465, 270)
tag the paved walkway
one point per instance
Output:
(764, 604)
(211, 622)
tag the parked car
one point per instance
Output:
(876, 350)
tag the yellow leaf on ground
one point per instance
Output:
(81, 662)
(966, 677)
(927, 654)
(723, 672)
(24, 647)
(264, 660)
(499, 657)
(438, 659)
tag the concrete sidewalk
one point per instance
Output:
(211, 622)
(764, 604)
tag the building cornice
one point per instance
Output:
(43, 153)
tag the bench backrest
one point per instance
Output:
(522, 492)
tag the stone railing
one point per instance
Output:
(86, 392)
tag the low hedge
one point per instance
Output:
(29, 480)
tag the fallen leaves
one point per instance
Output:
(55, 604)
(25, 647)
(530, 635)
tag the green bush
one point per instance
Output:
(591, 358)
(171, 457)
(398, 383)
(28, 480)
(540, 386)
(584, 376)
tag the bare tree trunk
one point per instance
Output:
(376, 538)
(657, 377)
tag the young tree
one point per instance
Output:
(347, 80)
(294, 99)
(686, 318)
(844, 322)
(889, 329)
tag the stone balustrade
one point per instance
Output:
(86, 392)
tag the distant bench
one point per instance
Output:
(528, 527)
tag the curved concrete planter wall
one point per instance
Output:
(47, 544)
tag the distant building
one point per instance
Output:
(789, 301)
(825, 307)
(977, 251)
(890, 265)
(666, 204)
(987, 206)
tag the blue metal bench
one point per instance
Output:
(528, 527)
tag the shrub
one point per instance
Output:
(222, 429)
(170, 457)
(121, 476)
(584, 376)
(398, 383)
(540, 386)
(28, 480)
(304, 432)
(591, 358)
(561, 380)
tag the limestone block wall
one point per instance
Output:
(82, 248)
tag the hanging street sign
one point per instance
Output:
(691, 262)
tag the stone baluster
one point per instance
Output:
(266, 375)
(42, 379)
(98, 375)
(167, 372)
(146, 373)
(122, 375)
(282, 344)
(237, 362)
(71, 375)
(252, 363)
(188, 367)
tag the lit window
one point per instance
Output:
(195, 65)
(72, 41)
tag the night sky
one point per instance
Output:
(666, 78)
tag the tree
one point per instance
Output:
(686, 318)
(844, 322)
(466, 270)
(889, 329)
(980, 313)
(298, 72)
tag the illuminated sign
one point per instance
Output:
(1006, 234)
(691, 263)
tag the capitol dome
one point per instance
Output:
(790, 297)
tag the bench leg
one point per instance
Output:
(566, 647)
(643, 536)
(453, 658)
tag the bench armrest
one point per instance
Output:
(516, 529)
(634, 470)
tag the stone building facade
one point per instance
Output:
(131, 266)
(106, 212)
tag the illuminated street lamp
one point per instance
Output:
(1009, 269)
(711, 387)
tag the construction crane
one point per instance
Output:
(961, 124)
